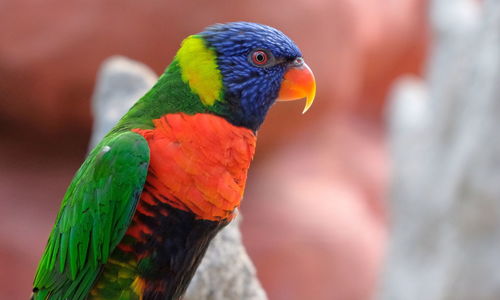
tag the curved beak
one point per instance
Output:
(298, 82)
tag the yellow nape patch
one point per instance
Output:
(199, 69)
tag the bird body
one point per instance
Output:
(196, 177)
(141, 210)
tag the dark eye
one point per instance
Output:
(259, 57)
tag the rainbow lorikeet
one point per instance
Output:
(141, 210)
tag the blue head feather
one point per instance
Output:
(249, 90)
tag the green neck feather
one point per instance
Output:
(169, 95)
(191, 84)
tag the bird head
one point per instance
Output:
(240, 69)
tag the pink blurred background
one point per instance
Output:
(314, 211)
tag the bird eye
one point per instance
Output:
(259, 58)
(299, 61)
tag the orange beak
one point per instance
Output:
(298, 82)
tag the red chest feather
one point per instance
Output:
(198, 163)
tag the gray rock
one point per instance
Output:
(445, 191)
(120, 83)
(226, 272)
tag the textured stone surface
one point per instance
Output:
(226, 271)
(120, 83)
(445, 142)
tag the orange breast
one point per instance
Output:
(198, 163)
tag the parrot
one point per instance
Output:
(141, 210)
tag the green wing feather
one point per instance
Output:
(95, 214)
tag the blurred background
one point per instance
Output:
(315, 212)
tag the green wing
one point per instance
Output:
(95, 214)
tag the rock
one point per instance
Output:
(120, 83)
(226, 271)
(445, 206)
